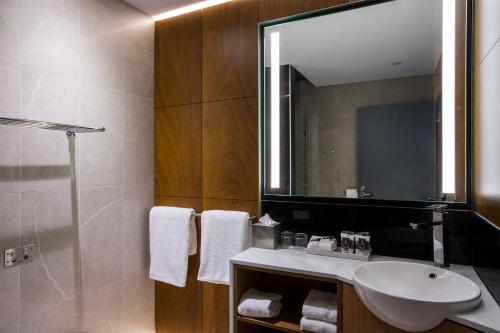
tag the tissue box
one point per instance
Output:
(266, 236)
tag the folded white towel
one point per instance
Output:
(172, 239)
(258, 304)
(317, 326)
(224, 234)
(320, 305)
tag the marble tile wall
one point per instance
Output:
(87, 62)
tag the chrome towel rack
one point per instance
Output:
(251, 218)
(69, 129)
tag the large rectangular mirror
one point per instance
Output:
(368, 101)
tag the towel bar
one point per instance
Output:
(70, 129)
(251, 218)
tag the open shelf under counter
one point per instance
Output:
(293, 287)
(287, 321)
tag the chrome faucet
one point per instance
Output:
(363, 193)
(439, 234)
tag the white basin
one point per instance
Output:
(413, 297)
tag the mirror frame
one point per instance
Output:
(462, 205)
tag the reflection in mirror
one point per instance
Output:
(367, 103)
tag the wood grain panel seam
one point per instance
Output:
(179, 196)
(160, 107)
(228, 99)
(226, 199)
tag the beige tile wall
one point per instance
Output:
(332, 152)
(87, 62)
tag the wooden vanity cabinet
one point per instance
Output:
(353, 316)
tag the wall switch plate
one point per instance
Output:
(18, 255)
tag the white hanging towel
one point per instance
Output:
(172, 239)
(224, 234)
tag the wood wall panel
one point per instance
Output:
(208, 56)
(230, 50)
(215, 308)
(178, 151)
(273, 9)
(252, 207)
(230, 149)
(180, 310)
(195, 203)
(178, 57)
(357, 318)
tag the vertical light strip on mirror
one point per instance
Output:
(448, 97)
(275, 110)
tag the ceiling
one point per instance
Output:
(155, 7)
(362, 45)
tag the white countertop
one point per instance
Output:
(486, 317)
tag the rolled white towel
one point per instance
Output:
(322, 243)
(258, 304)
(320, 305)
(317, 326)
(314, 242)
(326, 244)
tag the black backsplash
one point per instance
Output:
(472, 239)
(486, 254)
(388, 226)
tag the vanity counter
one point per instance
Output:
(486, 317)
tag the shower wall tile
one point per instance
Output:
(139, 139)
(10, 92)
(102, 153)
(10, 216)
(45, 161)
(101, 237)
(139, 298)
(10, 158)
(13, 328)
(102, 60)
(45, 158)
(9, 304)
(47, 219)
(103, 309)
(101, 29)
(9, 278)
(100, 17)
(87, 62)
(95, 201)
(138, 53)
(48, 30)
(48, 96)
(9, 31)
(138, 202)
(61, 318)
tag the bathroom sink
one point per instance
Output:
(413, 297)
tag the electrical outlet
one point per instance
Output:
(18, 255)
